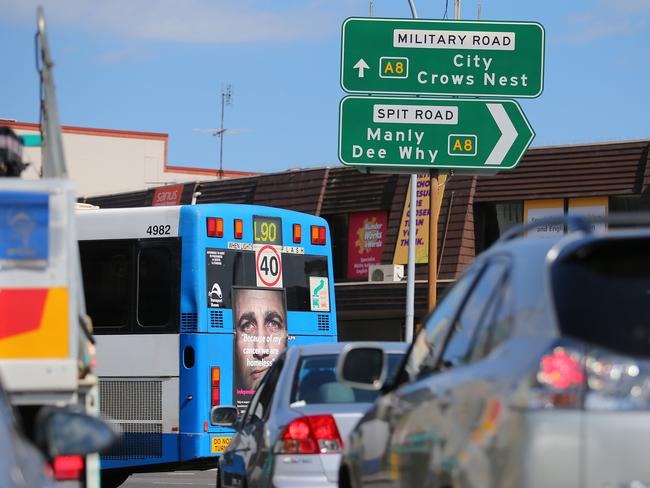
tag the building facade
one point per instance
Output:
(365, 213)
(102, 161)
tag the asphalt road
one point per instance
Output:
(180, 479)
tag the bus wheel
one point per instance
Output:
(113, 480)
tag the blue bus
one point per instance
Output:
(190, 306)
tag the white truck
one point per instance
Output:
(46, 343)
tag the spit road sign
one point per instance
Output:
(421, 133)
(439, 57)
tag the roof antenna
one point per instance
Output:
(226, 99)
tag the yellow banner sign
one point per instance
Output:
(423, 192)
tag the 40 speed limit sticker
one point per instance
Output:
(268, 266)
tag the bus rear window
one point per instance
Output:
(226, 268)
(297, 270)
(602, 295)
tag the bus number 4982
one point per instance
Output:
(159, 230)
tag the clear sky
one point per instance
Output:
(159, 66)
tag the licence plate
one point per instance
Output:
(219, 444)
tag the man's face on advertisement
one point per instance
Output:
(261, 332)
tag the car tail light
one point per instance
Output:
(616, 382)
(561, 369)
(67, 468)
(318, 235)
(239, 228)
(312, 434)
(297, 233)
(593, 380)
(215, 226)
(558, 382)
(215, 386)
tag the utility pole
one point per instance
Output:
(226, 99)
(410, 264)
(434, 186)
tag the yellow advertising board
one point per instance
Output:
(585, 206)
(590, 207)
(421, 220)
(540, 209)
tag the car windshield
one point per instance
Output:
(315, 381)
(602, 295)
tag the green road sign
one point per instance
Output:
(438, 57)
(420, 133)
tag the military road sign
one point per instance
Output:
(421, 133)
(439, 57)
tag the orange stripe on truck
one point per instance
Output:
(34, 323)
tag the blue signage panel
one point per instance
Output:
(24, 227)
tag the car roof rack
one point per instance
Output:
(578, 223)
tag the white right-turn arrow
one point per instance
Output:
(361, 66)
(508, 134)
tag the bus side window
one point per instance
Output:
(132, 286)
(108, 283)
(158, 284)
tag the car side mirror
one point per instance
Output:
(224, 416)
(67, 432)
(362, 366)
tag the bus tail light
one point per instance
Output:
(68, 468)
(297, 233)
(318, 235)
(312, 434)
(215, 388)
(215, 227)
(239, 228)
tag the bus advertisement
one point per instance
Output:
(191, 305)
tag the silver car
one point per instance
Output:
(296, 425)
(21, 464)
(533, 371)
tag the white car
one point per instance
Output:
(297, 424)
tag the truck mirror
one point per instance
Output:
(66, 432)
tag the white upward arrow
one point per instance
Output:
(361, 66)
(508, 134)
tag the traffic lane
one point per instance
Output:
(180, 479)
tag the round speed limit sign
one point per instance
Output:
(268, 266)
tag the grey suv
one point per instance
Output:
(533, 371)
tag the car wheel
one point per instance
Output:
(344, 478)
